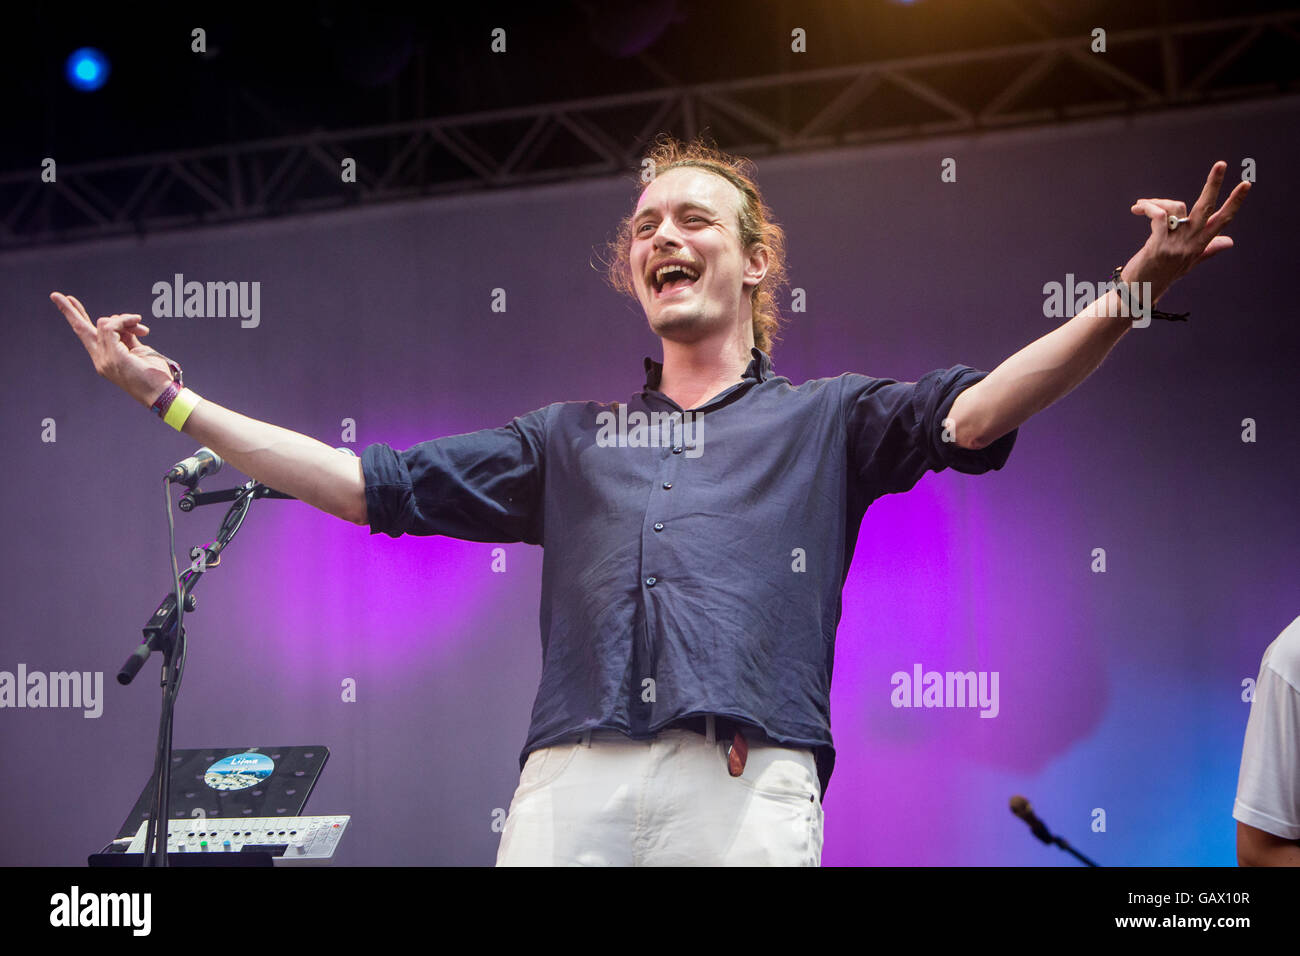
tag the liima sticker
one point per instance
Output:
(239, 771)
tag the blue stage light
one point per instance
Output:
(87, 69)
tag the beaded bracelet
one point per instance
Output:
(1121, 289)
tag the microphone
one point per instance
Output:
(194, 469)
(1020, 807)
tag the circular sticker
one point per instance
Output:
(239, 771)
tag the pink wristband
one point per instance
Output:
(164, 401)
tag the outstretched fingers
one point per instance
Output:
(1210, 192)
(1229, 209)
(75, 314)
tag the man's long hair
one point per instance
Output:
(756, 226)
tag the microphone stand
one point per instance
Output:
(1060, 841)
(1020, 807)
(161, 633)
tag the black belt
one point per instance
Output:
(724, 727)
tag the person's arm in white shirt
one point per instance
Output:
(1257, 847)
(1267, 808)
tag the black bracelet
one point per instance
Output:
(1121, 289)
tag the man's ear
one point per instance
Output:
(756, 265)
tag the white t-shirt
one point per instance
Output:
(1268, 788)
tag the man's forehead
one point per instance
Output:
(688, 185)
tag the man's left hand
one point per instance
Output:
(1169, 254)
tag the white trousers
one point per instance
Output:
(608, 800)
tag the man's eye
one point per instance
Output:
(649, 225)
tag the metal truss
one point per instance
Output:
(1051, 80)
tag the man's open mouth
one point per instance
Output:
(672, 278)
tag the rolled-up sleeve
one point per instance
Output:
(895, 429)
(479, 486)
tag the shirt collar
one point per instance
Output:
(759, 369)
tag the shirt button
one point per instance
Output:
(659, 526)
(667, 485)
(649, 582)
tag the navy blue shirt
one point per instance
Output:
(694, 567)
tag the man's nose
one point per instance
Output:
(665, 235)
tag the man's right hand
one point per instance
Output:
(115, 348)
(285, 460)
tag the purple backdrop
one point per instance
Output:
(1118, 691)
